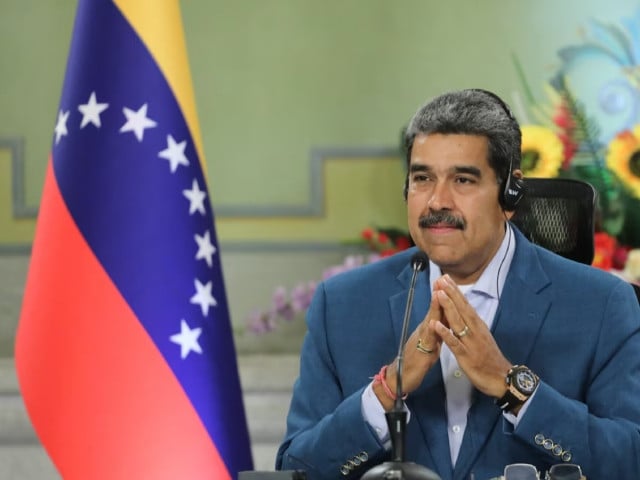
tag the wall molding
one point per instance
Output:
(15, 249)
(313, 208)
(19, 208)
(316, 201)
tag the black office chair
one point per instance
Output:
(558, 214)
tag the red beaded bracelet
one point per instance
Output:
(380, 377)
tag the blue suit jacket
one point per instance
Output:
(577, 327)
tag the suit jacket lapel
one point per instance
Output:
(523, 305)
(428, 425)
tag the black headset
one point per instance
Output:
(513, 188)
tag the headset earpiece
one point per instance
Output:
(512, 192)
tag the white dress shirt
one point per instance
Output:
(483, 296)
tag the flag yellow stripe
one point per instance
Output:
(159, 25)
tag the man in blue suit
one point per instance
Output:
(516, 355)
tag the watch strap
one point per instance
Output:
(510, 401)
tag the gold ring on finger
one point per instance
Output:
(463, 332)
(422, 348)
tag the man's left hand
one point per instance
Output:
(469, 339)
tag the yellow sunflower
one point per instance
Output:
(623, 158)
(542, 152)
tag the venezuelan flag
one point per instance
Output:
(124, 351)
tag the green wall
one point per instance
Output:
(276, 80)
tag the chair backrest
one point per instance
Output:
(558, 214)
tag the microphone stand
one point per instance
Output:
(398, 469)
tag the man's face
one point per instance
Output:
(452, 203)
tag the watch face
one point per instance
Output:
(525, 381)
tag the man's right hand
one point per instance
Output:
(417, 361)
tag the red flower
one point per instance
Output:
(563, 118)
(619, 257)
(367, 234)
(386, 241)
(605, 247)
(602, 261)
(570, 149)
(383, 238)
(402, 243)
(604, 241)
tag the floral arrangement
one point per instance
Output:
(286, 305)
(566, 138)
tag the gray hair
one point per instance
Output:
(472, 112)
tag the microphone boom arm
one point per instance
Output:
(397, 417)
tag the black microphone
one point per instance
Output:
(419, 262)
(397, 417)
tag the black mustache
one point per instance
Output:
(441, 218)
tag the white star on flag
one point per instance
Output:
(174, 153)
(137, 122)
(187, 339)
(205, 248)
(61, 125)
(203, 297)
(91, 111)
(196, 198)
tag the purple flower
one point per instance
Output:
(260, 322)
(374, 257)
(301, 296)
(279, 298)
(281, 306)
(331, 271)
(286, 312)
(353, 261)
(286, 306)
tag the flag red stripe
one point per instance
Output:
(81, 353)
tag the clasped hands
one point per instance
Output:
(452, 321)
